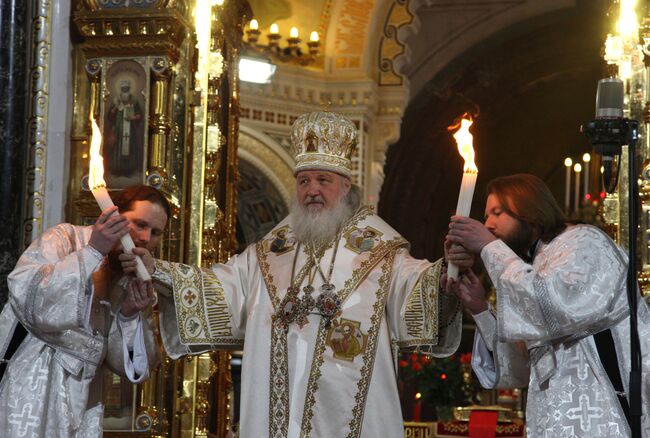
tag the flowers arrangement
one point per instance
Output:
(443, 381)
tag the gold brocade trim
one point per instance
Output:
(314, 375)
(369, 356)
(460, 428)
(216, 305)
(192, 293)
(360, 215)
(279, 383)
(421, 316)
(318, 357)
(268, 277)
(406, 345)
(279, 368)
(309, 161)
(366, 266)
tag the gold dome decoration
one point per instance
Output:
(323, 141)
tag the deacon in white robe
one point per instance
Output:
(548, 311)
(321, 305)
(73, 306)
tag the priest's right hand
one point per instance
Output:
(458, 255)
(108, 229)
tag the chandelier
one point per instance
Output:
(291, 53)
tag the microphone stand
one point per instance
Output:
(608, 135)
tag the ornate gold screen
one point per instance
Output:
(151, 58)
(627, 52)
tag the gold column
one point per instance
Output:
(159, 122)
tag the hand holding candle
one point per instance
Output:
(470, 173)
(98, 188)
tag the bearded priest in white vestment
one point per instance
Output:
(323, 302)
(561, 325)
(80, 313)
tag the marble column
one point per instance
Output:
(13, 105)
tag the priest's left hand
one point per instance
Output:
(469, 233)
(470, 292)
(138, 297)
(129, 264)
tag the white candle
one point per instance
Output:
(586, 158)
(601, 186)
(470, 173)
(568, 162)
(98, 188)
(577, 168)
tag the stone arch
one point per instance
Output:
(265, 185)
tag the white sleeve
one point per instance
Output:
(497, 364)
(486, 324)
(575, 287)
(136, 365)
(483, 362)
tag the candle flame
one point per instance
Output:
(96, 168)
(464, 140)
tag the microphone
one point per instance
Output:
(609, 99)
(609, 105)
(610, 130)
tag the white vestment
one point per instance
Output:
(52, 386)
(541, 335)
(314, 381)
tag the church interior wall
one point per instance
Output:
(532, 85)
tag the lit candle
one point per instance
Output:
(470, 173)
(586, 158)
(568, 162)
(98, 188)
(577, 168)
(601, 186)
(417, 409)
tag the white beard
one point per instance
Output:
(316, 228)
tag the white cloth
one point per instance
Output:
(541, 334)
(313, 381)
(52, 386)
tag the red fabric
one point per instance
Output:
(483, 424)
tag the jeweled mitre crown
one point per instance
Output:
(324, 141)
